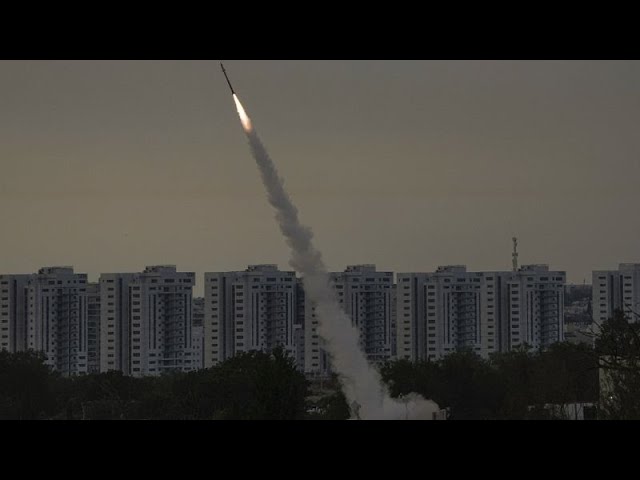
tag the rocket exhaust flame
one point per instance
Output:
(244, 118)
(362, 385)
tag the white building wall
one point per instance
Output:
(616, 290)
(487, 312)
(93, 327)
(366, 296)
(447, 310)
(197, 347)
(47, 312)
(13, 312)
(146, 320)
(251, 310)
(115, 324)
(316, 358)
(56, 306)
(536, 307)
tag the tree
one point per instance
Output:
(470, 387)
(25, 388)
(259, 386)
(404, 377)
(461, 381)
(571, 373)
(618, 349)
(517, 370)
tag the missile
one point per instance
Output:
(225, 76)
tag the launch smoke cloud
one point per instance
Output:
(366, 393)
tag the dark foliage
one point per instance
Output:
(25, 386)
(513, 385)
(618, 349)
(520, 384)
(251, 386)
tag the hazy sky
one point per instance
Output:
(114, 165)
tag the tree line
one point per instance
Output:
(520, 384)
(516, 385)
(252, 385)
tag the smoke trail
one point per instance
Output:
(361, 382)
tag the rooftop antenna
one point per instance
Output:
(514, 255)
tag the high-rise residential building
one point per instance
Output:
(255, 309)
(366, 296)
(93, 327)
(197, 347)
(616, 290)
(447, 310)
(315, 359)
(57, 318)
(299, 326)
(197, 333)
(536, 307)
(145, 322)
(197, 311)
(115, 321)
(47, 312)
(452, 309)
(13, 312)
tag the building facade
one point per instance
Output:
(616, 290)
(197, 309)
(197, 333)
(93, 327)
(486, 312)
(367, 297)
(146, 321)
(448, 310)
(47, 312)
(13, 312)
(536, 307)
(197, 347)
(255, 309)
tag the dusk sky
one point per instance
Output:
(110, 166)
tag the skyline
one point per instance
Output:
(420, 164)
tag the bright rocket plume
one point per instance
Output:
(360, 381)
(244, 118)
